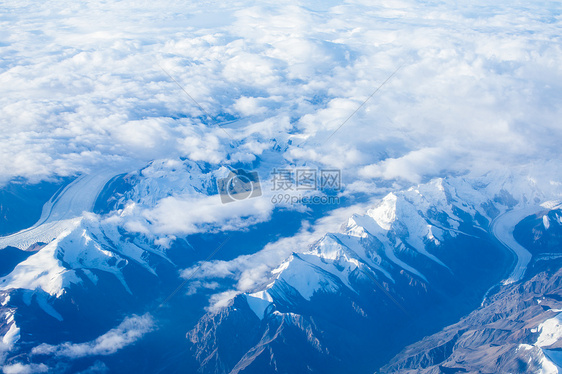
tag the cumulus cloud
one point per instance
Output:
(251, 271)
(129, 331)
(221, 300)
(19, 368)
(89, 88)
(248, 106)
(412, 166)
(188, 215)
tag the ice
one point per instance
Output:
(546, 221)
(64, 211)
(550, 331)
(502, 228)
(306, 278)
(258, 302)
(12, 336)
(52, 268)
(42, 301)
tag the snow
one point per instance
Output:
(340, 268)
(163, 178)
(543, 357)
(550, 331)
(326, 267)
(552, 204)
(52, 268)
(42, 301)
(547, 366)
(91, 276)
(362, 224)
(434, 234)
(42, 270)
(306, 278)
(403, 213)
(12, 336)
(554, 358)
(546, 221)
(258, 302)
(64, 211)
(502, 228)
(424, 214)
(357, 253)
(385, 213)
(389, 251)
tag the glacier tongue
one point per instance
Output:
(65, 209)
(43, 270)
(86, 246)
(502, 227)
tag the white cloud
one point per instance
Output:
(412, 166)
(221, 300)
(251, 271)
(248, 106)
(97, 368)
(202, 148)
(143, 135)
(87, 89)
(188, 215)
(128, 332)
(19, 368)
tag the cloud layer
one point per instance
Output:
(82, 85)
(129, 331)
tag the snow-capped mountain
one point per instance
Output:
(516, 330)
(127, 247)
(418, 260)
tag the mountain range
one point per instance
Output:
(431, 279)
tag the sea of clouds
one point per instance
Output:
(84, 84)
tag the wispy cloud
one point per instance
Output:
(251, 271)
(25, 368)
(128, 332)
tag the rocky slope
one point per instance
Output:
(516, 330)
(416, 262)
(421, 258)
